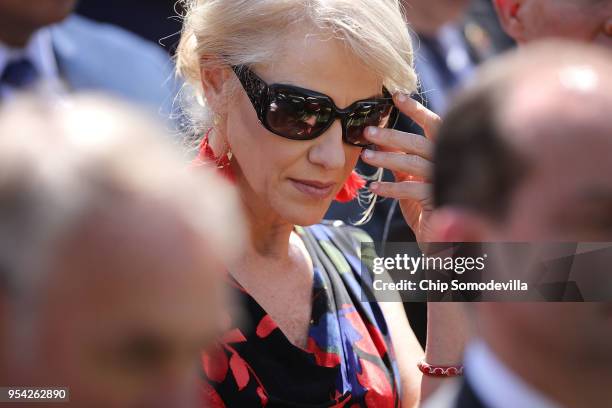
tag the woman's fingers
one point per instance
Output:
(399, 162)
(423, 117)
(402, 141)
(411, 190)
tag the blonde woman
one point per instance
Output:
(289, 93)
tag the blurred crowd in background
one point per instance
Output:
(476, 19)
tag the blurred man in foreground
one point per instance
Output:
(111, 256)
(580, 20)
(524, 155)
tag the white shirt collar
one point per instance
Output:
(39, 51)
(496, 385)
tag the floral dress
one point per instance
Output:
(348, 360)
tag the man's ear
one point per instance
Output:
(458, 225)
(509, 14)
(213, 78)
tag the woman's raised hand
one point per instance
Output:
(409, 157)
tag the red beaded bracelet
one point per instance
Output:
(440, 371)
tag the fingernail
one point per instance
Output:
(401, 98)
(368, 154)
(372, 131)
(374, 186)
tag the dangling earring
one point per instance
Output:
(206, 155)
(351, 188)
(224, 163)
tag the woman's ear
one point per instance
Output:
(459, 225)
(509, 14)
(213, 79)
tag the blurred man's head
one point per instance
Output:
(427, 17)
(561, 349)
(526, 150)
(525, 155)
(19, 18)
(580, 20)
(111, 255)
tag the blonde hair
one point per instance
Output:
(250, 32)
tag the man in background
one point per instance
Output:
(41, 42)
(524, 156)
(583, 20)
(112, 256)
(483, 12)
(444, 58)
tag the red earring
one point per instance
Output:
(206, 156)
(514, 10)
(348, 192)
(351, 188)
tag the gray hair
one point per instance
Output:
(60, 163)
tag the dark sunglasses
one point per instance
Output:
(301, 114)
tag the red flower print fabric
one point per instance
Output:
(348, 360)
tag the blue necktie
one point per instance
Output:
(19, 74)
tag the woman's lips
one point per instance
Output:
(315, 189)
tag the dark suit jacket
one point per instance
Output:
(467, 398)
(455, 393)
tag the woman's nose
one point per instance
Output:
(328, 149)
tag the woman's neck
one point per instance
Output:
(274, 253)
(271, 240)
(270, 235)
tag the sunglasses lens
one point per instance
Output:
(378, 115)
(297, 116)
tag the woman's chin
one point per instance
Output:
(307, 223)
(305, 215)
(305, 220)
